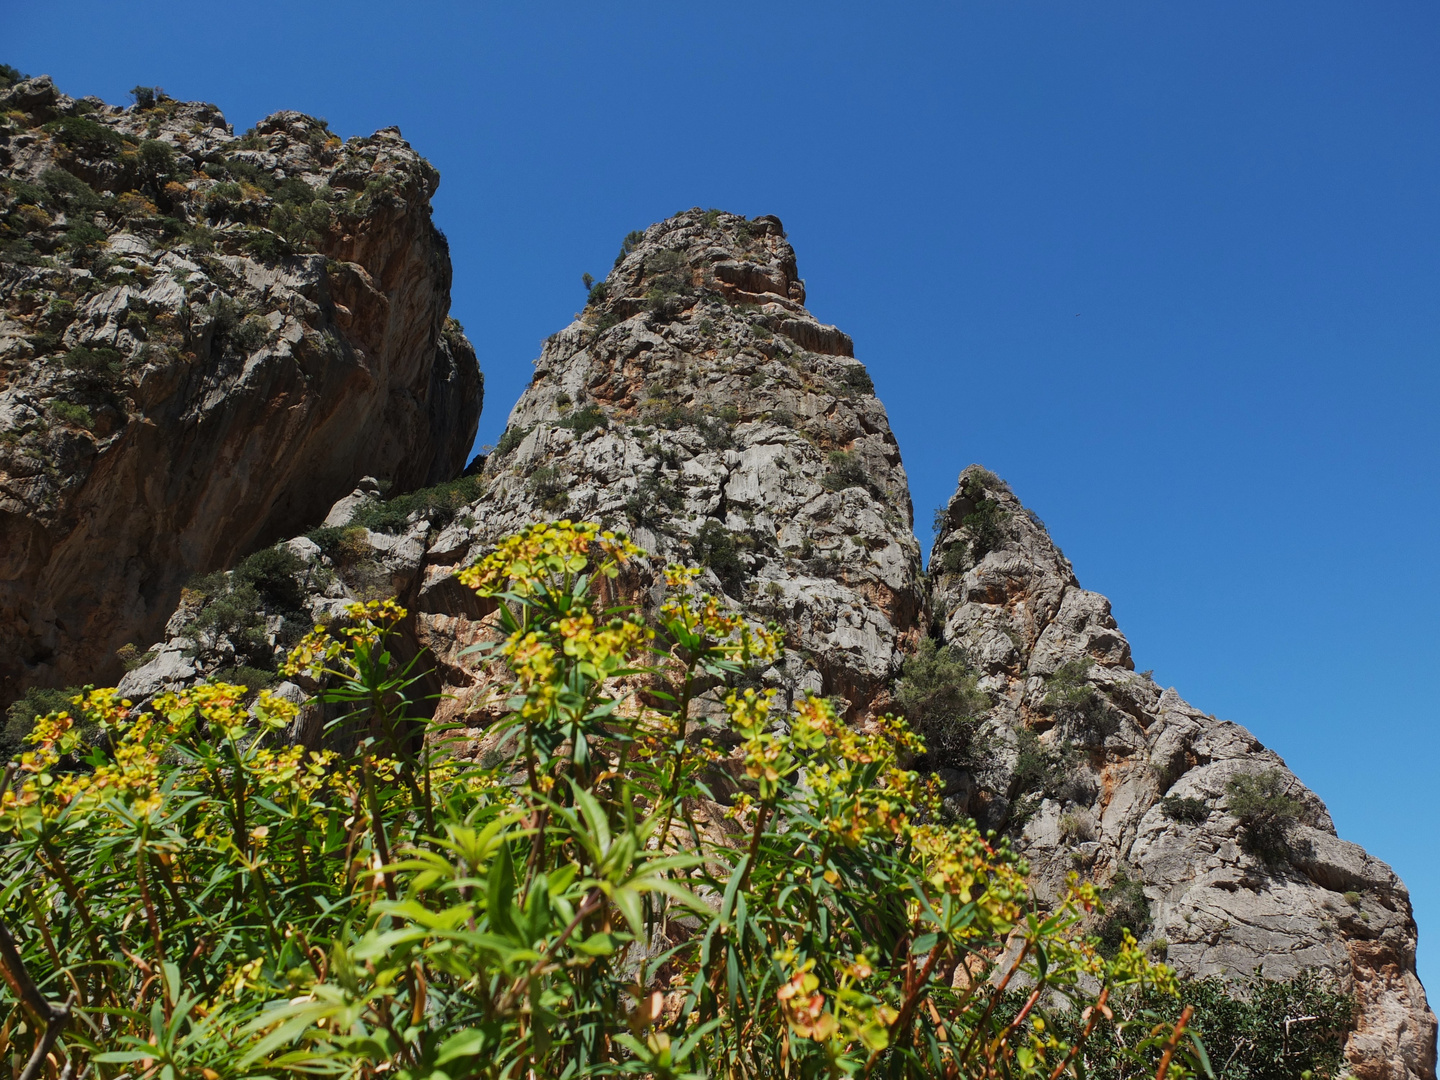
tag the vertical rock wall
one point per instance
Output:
(204, 341)
(1136, 785)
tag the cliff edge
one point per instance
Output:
(204, 341)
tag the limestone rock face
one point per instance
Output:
(204, 341)
(690, 406)
(1137, 783)
(697, 405)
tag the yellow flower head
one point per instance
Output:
(527, 561)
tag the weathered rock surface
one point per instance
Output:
(689, 406)
(697, 405)
(1055, 664)
(204, 340)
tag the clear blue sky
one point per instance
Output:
(1171, 269)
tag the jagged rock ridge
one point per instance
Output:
(204, 341)
(696, 404)
(1139, 784)
(699, 406)
(691, 406)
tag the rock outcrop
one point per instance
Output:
(1122, 779)
(698, 406)
(204, 341)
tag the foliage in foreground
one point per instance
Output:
(209, 903)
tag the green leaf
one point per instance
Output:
(465, 1043)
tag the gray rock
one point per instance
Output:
(1010, 598)
(230, 394)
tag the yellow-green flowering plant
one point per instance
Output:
(670, 877)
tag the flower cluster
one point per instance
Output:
(526, 561)
(369, 624)
(702, 616)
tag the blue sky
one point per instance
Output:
(1171, 269)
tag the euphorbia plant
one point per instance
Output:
(620, 894)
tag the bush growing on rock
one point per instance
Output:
(1189, 811)
(1261, 1030)
(982, 527)
(938, 695)
(715, 547)
(846, 470)
(219, 905)
(1266, 811)
(1124, 911)
(587, 419)
(437, 504)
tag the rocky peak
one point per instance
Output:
(204, 340)
(1098, 768)
(697, 404)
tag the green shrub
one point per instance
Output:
(234, 606)
(382, 906)
(587, 419)
(984, 523)
(21, 715)
(132, 658)
(83, 236)
(438, 504)
(1266, 811)
(69, 413)
(1188, 811)
(632, 240)
(847, 470)
(668, 273)
(94, 361)
(1124, 908)
(233, 613)
(252, 679)
(85, 136)
(9, 76)
(854, 381)
(224, 314)
(157, 158)
(147, 97)
(714, 546)
(654, 503)
(510, 438)
(268, 246)
(1040, 772)
(937, 694)
(548, 487)
(1257, 1029)
(326, 538)
(64, 190)
(1067, 688)
(277, 575)
(252, 333)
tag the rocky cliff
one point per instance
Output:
(204, 341)
(1095, 767)
(696, 404)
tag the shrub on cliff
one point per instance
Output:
(215, 904)
(939, 696)
(982, 525)
(438, 504)
(1266, 811)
